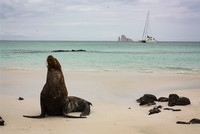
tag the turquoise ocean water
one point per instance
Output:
(179, 57)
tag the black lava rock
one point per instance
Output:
(147, 99)
(20, 98)
(163, 99)
(192, 121)
(1, 121)
(174, 100)
(155, 110)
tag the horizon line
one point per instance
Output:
(163, 41)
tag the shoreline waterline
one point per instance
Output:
(142, 71)
(13, 81)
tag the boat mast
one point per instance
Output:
(146, 28)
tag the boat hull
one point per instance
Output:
(149, 41)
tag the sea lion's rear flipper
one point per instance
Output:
(71, 116)
(86, 110)
(36, 117)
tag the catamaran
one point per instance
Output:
(147, 35)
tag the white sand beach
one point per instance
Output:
(113, 95)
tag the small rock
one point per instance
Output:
(172, 109)
(195, 121)
(20, 98)
(159, 106)
(147, 99)
(182, 122)
(1, 121)
(155, 110)
(192, 121)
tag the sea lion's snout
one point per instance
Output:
(53, 63)
(50, 60)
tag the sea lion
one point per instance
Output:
(75, 104)
(54, 99)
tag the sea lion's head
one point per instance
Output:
(53, 63)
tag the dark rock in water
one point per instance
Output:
(174, 99)
(79, 50)
(20, 98)
(155, 110)
(163, 99)
(61, 51)
(172, 109)
(147, 99)
(1, 121)
(192, 121)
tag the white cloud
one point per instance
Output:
(63, 17)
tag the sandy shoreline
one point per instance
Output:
(112, 94)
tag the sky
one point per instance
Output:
(99, 20)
